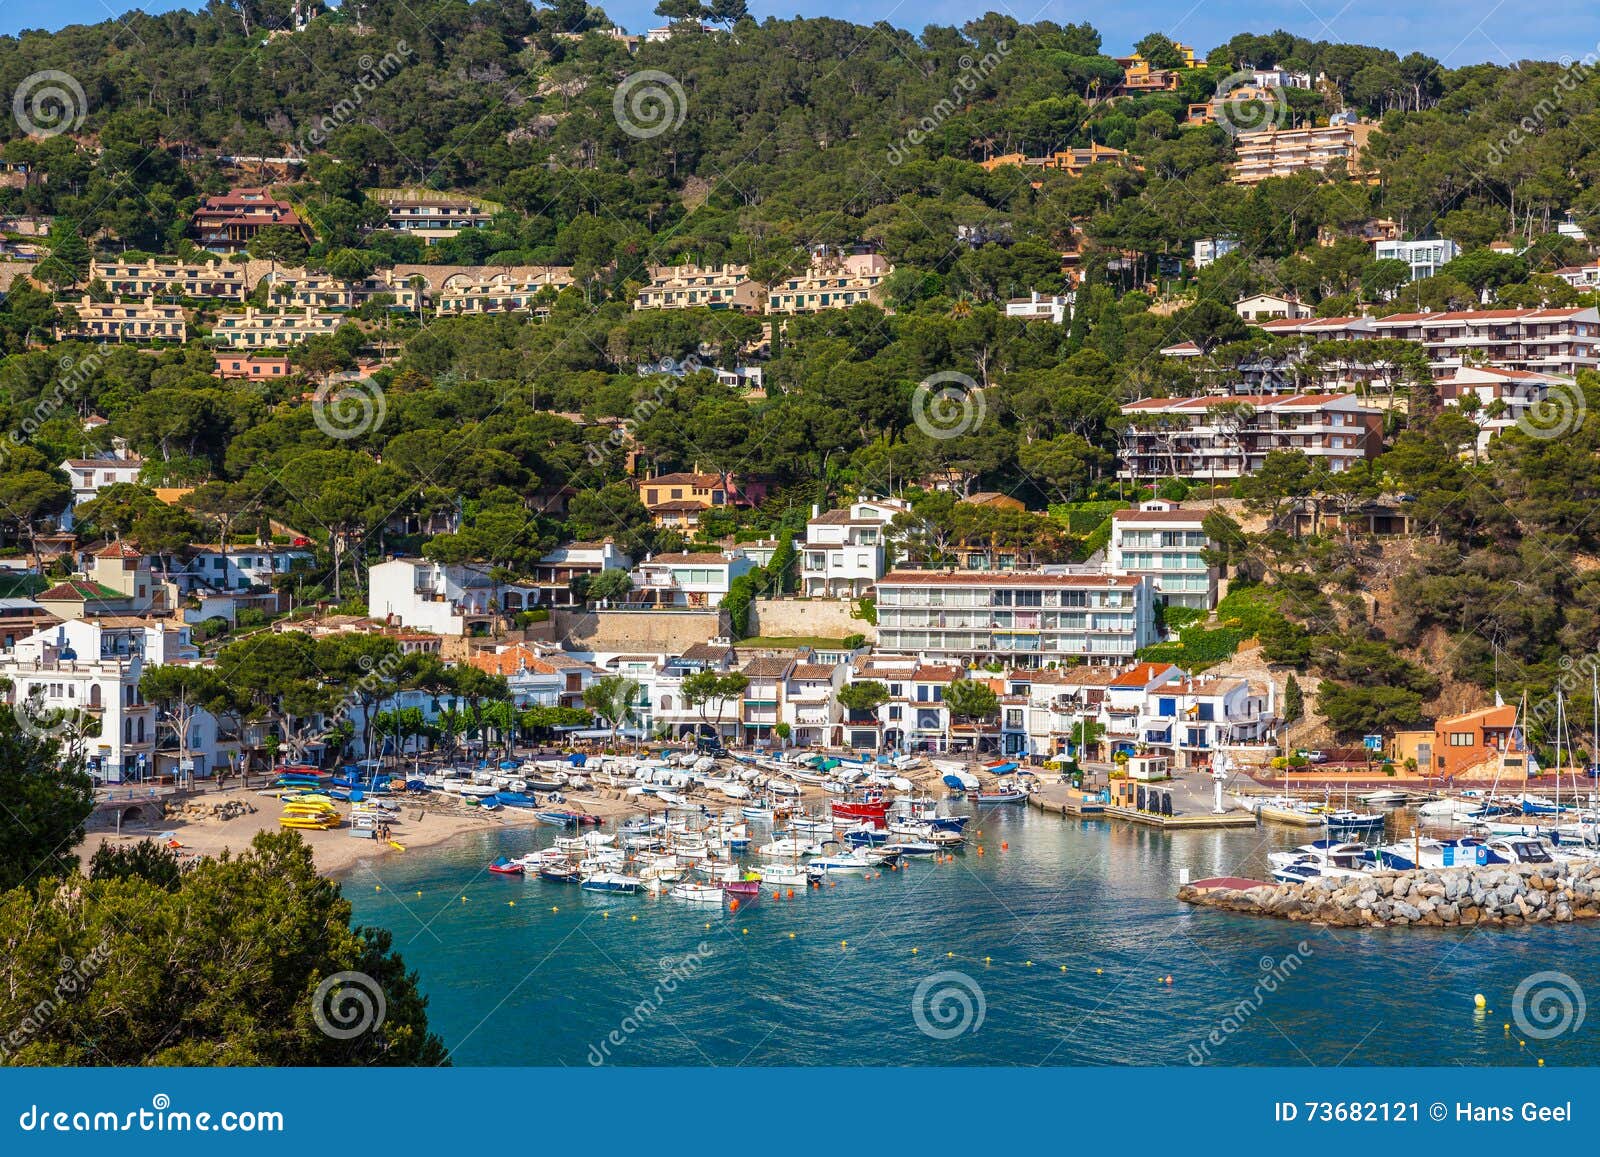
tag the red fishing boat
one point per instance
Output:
(870, 807)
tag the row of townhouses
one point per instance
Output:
(833, 282)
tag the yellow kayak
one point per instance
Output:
(397, 847)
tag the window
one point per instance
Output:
(1461, 739)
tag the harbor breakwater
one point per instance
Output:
(1497, 895)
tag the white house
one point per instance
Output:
(698, 579)
(844, 550)
(914, 718)
(238, 568)
(94, 666)
(1425, 258)
(445, 599)
(1210, 250)
(89, 476)
(1267, 307)
(1036, 306)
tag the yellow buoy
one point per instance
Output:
(844, 944)
(553, 908)
(1027, 964)
(914, 951)
(791, 936)
(635, 919)
(1099, 971)
(1479, 1002)
(746, 931)
(375, 888)
(603, 915)
(511, 903)
(1541, 1062)
(1063, 968)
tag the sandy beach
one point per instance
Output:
(424, 821)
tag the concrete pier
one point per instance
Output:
(1192, 812)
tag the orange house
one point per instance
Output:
(1464, 741)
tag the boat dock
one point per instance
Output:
(1069, 801)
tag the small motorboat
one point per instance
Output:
(1349, 821)
(1388, 797)
(696, 893)
(505, 867)
(912, 847)
(557, 819)
(784, 876)
(561, 874)
(607, 881)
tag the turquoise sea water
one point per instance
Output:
(1052, 949)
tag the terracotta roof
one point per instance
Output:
(117, 550)
(818, 671)
(1192, 516)
(512, 661)
(932, 674)
(707, 652)
(700, 558)
(1141, 674)
(1505, 716)
(1071, 676)
(1465, 315)
(78, 590)
(831, 518)
(679, 506)
(767, 667)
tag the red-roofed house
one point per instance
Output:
(226, 223)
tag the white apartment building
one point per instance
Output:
(1216, 438)
(215, 279)
(1165, 544)
(556, 571)
(1270, 307)
(1549, 341)
(831, 282)
(444, 598)
(1026, 619)
(844, 550)
(538, 678)
(145, 321)
(272, 328)
(94, 666)
(1425, 258)
(695, 579)
(429, 215)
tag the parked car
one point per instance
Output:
(1313, 756)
